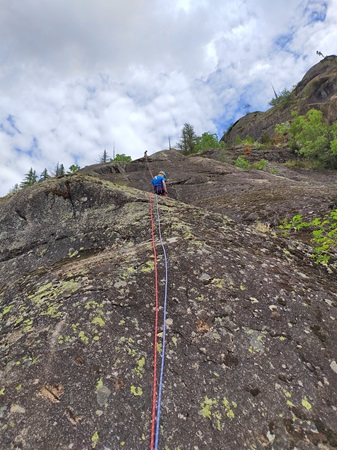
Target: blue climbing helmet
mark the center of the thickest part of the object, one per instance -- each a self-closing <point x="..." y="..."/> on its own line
<point x="163" y="173"/>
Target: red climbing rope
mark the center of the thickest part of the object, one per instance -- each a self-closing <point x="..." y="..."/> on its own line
<point x="154" y="389"/>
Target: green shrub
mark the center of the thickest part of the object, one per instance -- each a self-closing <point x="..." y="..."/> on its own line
<point x="284" y="98"/>
<point x="207" y="141"/>
<point x="261" y="165"/>
<point x="121" y="158"/>
<point x="311" y="137"/>
<point x="324" y="233"/>
<point x="248" y="140"/>
<point x="242" y="163"/>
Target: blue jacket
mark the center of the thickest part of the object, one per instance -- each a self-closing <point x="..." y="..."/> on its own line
<point x="158" y="180"/>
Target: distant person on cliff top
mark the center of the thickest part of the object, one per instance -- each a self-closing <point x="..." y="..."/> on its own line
<point x="159" y="183"/>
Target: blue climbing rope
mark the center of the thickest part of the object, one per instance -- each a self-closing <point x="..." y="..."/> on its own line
<point x="160" y="387"/>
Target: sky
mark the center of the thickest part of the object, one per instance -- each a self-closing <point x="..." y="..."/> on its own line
<point x="78" y="77"/>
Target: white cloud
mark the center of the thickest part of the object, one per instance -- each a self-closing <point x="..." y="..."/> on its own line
<point x="78" y="76"/>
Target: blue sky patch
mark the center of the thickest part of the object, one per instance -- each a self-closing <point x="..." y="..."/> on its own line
<point x="316" y="12"/>
<point x="11" y="120"/>
<point x="9" y="127"/>
<point x="284" y="40"/>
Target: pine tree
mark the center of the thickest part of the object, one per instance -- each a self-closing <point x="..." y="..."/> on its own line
<point x="59" y="170"/>
<point x="104" y="158"/>
<point x="30" y="179"/>
<point x="44" y="175"/>
<point x="187" y="140"/>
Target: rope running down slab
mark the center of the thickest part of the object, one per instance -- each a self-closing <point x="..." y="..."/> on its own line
<point x="154" y="387"/>
<point x="160" y="388"/>
<point x="156" y="399"/>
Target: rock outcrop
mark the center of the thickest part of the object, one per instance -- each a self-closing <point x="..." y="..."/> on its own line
<point x="317" y="89"/>
<point x="251" y="357"/>
<point x="245" y="196"/>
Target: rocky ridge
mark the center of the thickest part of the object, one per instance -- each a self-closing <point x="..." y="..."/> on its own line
<point x="317" y="89"/>
<point x="245" y="196"/>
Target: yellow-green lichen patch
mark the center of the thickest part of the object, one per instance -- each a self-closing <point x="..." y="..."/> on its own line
<point x="206" y="407"/>
<point x="52" y="291"/>
<point x="2" y="391"/>
<point x="128" y="352"/>
<point x="136" y="390"/>
<point x="228" y="406"/>
<point x="46" y="296"/>
<point x="92" y="304"/>
<point x="306" y="404"/>
<point x="218" y="282"/>
<point x="140" y="367"/>
<point x="27" y="360"/>
<point x="28" y="325"/>
<point x="62" y="339"/>
<point x="99" y="384"/>
<point x="6" y="310"/>
<point x="149" y="267"/>
<point x="98" y="321"/>
<point x="95" y="439"/>
<point x="52" y="311"/>
<point x="18" y="387"/>
<point x="83" y="337"/>
<point x="216" y="410"/>
<point x="212" y="410"/>
<point x="42" y="291"/>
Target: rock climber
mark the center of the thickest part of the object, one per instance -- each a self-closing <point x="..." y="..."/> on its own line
<point x="159" y="183"/>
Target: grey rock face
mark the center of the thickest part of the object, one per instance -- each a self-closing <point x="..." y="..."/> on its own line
<point x="251" y="335"/>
